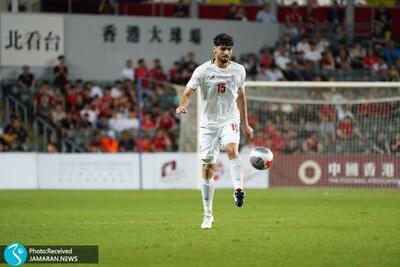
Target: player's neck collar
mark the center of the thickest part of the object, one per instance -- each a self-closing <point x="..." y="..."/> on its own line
<point x="227" y="65"/>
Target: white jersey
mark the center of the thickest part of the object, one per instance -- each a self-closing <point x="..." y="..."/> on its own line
<point x="219" y="91"/>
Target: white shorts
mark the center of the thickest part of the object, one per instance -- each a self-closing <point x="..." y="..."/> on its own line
<point x="213" y="138"/>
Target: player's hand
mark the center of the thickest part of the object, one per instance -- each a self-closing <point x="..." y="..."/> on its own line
<point x="248" y="131"/>
<point x="181" y="109"/>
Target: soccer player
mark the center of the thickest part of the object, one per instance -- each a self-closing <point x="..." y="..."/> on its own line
<point x="223" y="108"/>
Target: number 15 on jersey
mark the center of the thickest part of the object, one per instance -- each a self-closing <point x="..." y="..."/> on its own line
<point x="221" y="88"/>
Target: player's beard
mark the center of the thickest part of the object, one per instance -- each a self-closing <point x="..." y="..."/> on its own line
<point x="223" y="59"/>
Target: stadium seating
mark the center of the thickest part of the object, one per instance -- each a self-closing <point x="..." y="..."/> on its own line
<point x="160" y="98"/>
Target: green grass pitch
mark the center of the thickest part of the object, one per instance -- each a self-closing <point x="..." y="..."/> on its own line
<point x="276" y="227"/>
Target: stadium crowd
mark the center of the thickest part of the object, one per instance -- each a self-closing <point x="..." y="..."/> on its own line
<point x="103" y="117"/>
<point x="299" y="128"/>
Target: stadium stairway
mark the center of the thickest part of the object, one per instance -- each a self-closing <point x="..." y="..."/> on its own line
<point x="10" y="106"/>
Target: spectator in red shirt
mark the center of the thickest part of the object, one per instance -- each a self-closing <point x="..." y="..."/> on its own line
<point x="166" y="121"/>
<point x="161" y="142"/>
<point x="142" y="73"/>
<point x="294" y="15"/>
<point x="107" y="98"/>
<point x="71" y="98"/>
<point x="276" y="137"/>
<point x="370" y="59"/>
<point x="105" y="109"/>
<point x="266" y="59"/>
<point x="157" y="75"/>
<point x="347" y="128"/>
<point x="144" y="143"/>
<point x="148" y="123"/>
<point x="43" y="91"/>
<point x="253" y="119"/>
<point x="327" y="111"/>
<point x="259" y="140"/>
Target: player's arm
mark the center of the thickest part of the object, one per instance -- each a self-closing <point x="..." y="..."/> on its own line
<point x="193" y="84"/>
<point x="184" y="101"/>
<point x="242" y="106"/>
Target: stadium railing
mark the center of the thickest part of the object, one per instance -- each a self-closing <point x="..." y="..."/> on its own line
<point x="43" y="132"/>
<point x="16" y="107"/>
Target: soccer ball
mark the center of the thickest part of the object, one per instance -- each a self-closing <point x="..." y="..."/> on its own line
<point x="261" y="158"/>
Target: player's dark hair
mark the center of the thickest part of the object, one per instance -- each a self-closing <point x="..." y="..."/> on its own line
<point x="223" y="39"/>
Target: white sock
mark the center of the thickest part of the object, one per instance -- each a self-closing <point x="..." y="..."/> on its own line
<point x="236" y="173"/>
<point x="207" y="193"/>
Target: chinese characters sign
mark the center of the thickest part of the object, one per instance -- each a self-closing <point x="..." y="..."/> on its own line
<point x="100" y="45"/>
<point x="328" y="170"/>
<point x="31" y="39"/>
<point x="137" y="34"/>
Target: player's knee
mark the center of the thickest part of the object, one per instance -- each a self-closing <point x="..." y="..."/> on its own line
<point x="232" y="152"/>
<point x="208" y="170"/>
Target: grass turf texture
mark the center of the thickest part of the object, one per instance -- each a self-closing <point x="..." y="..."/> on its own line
<point x="278" y="227"/>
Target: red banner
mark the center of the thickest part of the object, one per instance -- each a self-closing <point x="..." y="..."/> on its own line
<point x="335" y="171"/>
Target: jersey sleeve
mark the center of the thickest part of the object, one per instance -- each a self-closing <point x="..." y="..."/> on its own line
<point x="195" y="80"/>
<point x="242" y="78"/>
